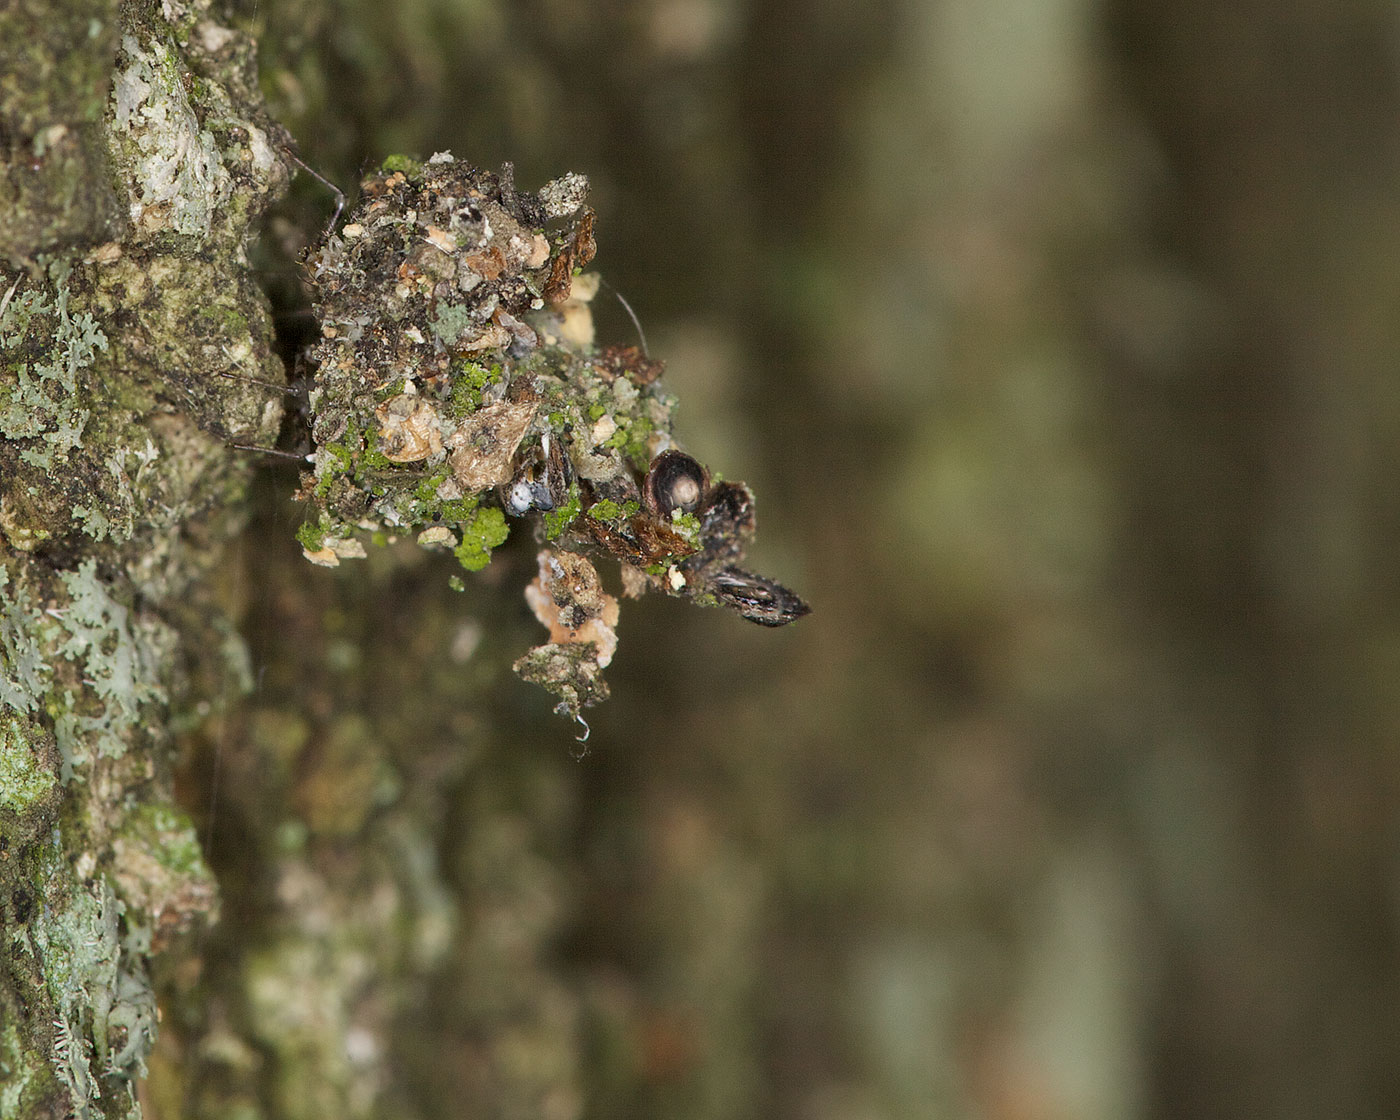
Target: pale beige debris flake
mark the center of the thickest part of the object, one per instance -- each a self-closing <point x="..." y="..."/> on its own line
<point x="408" y="429"/>
<point x="568" y="597"/>
<point x="481" y="450"/>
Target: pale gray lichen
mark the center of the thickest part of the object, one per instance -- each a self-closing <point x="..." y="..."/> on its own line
<point x="178" y="180"/>
<point x="47" y="394"/>
<point x="106" y="1009"/>
<point x="43" y="349"/>
<point x="562" y="197"/>
<point x="119" y="660"/>
<point x="129" y="491"/>
<point x="24" y="670"/>
<point x="93" y="522"/>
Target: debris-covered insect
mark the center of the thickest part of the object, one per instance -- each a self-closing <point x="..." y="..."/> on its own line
<point x="457" y="383"/>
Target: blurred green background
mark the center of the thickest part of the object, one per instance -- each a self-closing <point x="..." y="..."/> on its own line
<point x="1059" y="341"/>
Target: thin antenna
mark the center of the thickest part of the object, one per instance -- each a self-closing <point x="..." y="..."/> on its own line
<point x="339" y="194"/>
<point x="282" y="388"/>
<point x="270" y="451"/>
<point x="641" y="334"/>
<point x="286" y="389"/>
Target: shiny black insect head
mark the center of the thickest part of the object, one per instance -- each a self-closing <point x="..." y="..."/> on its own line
<point x="674" y="481"/>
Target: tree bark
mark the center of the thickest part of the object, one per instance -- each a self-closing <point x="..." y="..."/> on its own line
<point x="137" y="347"/>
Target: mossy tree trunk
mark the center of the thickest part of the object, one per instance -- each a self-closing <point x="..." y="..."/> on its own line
<point x="136" y="347"/>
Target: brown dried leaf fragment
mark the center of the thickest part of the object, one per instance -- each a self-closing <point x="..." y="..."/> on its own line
<point x="577" y="252"/>
<point x="640" y="541"/>
<point x="488" y="264"/>
<point x="629" y="361"/>
<point x="483" y="447"/>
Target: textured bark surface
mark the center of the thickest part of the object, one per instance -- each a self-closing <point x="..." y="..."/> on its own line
<point x="1058" y="342"/>
<point x="136" y="344"/>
